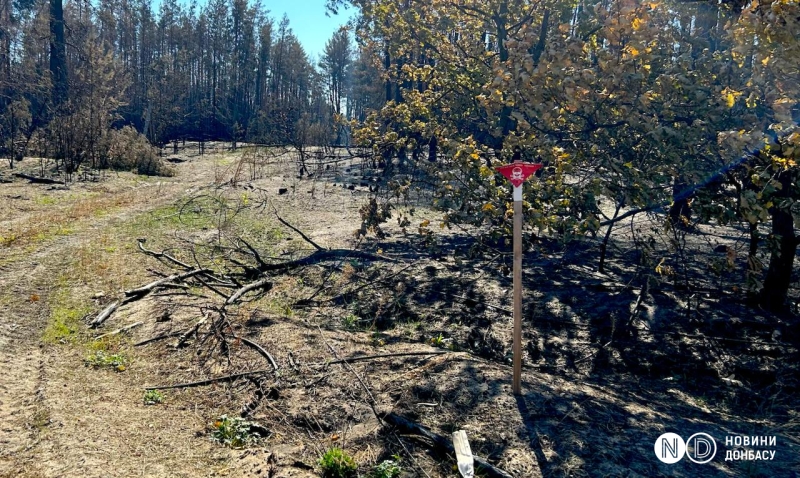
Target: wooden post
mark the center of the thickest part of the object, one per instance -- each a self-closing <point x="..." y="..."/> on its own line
<point x="517" y="172"/>
<point x="517" y="347"/>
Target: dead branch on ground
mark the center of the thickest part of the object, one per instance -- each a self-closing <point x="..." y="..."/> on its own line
<point x="121" y="330"/>
<point x="443" y="444"/>
<point x="210" y="381"/>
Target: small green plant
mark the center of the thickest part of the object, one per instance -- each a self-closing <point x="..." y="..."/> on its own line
<point x="101" y="359"/>
<point x="438" y="341"/>
<point x="378" y="339"/>
<point x="234" y="432"/>
<point x="351" y="321"/>
<point x="153" y="397"/>
<point x="388" y="468"/>
<point x="336" y="463"/>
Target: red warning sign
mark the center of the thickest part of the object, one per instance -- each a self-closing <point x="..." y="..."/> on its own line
<point x="517" y="172"/>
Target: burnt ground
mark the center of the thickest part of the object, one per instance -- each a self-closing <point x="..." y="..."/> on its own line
<point x="608" y="366"/>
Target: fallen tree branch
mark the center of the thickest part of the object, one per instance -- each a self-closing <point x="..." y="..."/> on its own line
<point x="259" y="284"/>
<point x="444" y="444"/>
<point x="185" y="336"/>
<point x="254" y="252"/>
<point x="259" y="349"/>
<point x="105" y="314"/>
<point x="37" y="180"/>
<point x="374" y="357"/>
<point x="310" y="302"/>
<point x="212" y="288"/>
<point x="157" y="338"/>
<point x="324" y="255"/>
<point x="159" y="255"/>
<point x="298" y="231"/>
<point x="145" y="289"/>
<point x="120" y="330"/>
<point x="372" y="402"/>
<point x="200" y="383"/>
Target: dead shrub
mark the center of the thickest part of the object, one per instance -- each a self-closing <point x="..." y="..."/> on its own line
<point x="128" y="150"/>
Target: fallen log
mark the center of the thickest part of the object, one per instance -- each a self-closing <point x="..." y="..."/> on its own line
<point x="121" y="330"/>
<point x="442" y="443"/>
<point x="145" y="289"/>
<point x="38" y="180"/>
<point x="200" y="383"/>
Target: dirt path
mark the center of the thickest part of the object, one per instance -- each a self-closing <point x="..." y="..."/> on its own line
<point x="57" y="417"/>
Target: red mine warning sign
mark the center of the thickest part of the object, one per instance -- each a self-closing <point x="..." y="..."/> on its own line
<point x="517" y="172"/>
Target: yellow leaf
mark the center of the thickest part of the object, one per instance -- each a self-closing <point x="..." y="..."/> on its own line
<point x="730" y="95"/>
<point x="488" y="207"/>
<point x="637" y="23"/>
<point x="425" y="223"/>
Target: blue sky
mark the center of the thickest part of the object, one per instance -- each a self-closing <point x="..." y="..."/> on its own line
<point x="308" y="21"/>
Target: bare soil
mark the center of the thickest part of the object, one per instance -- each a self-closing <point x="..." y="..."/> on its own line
<point x="612" y="360"/>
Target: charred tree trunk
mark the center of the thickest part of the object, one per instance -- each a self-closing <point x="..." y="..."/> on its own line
<point x="781" y="263"/>
<point x="5" y="53"/>
<point x="433" y="149"/>
<point x="681" y="211"/>
<point x="387" y="65"/>
<point x="58" y="53"/>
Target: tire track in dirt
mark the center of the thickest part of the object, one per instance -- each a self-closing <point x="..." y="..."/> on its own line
<point x="26" y="364"/>
<point x="22" y="357"/>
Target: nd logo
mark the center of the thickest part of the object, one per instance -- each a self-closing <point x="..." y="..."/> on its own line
<point x="699" y="448"/>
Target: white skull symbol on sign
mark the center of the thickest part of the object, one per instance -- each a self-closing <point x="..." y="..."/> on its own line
<point x="516" y="173"/>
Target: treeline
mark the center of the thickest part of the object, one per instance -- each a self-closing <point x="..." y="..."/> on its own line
<point x="222" y="71"/>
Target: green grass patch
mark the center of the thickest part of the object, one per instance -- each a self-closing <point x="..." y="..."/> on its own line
<point x="101" y="359"/>
<point x="153" y="397"/>
<point x="45" y="200"/>
<point x="336" y="463"/>
<point x="66" y="313"/>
